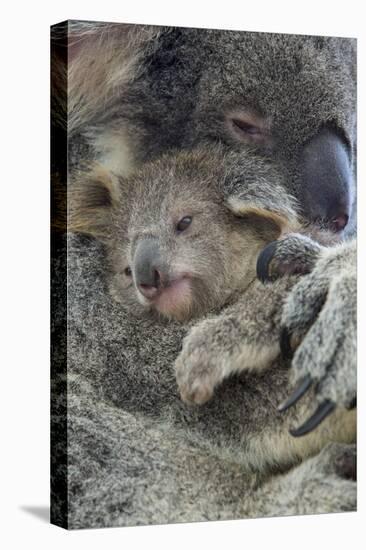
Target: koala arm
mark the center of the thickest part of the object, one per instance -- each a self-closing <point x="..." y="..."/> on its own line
<point x="319" y="323"/>
<point x="321" y="484"/>
<point x="245" y="336"/>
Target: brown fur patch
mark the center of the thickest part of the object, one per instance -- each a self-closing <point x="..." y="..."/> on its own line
<point x="91" y="199"/>
<point x="270" y="225"/>
<point x="58" y="204"/>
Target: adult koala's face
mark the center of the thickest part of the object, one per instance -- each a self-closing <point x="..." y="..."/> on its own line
<point x="294" y="98"/>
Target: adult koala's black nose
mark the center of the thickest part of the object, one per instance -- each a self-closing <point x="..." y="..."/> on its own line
<point x="326" y="180"/>
<point x="148" y="268"/>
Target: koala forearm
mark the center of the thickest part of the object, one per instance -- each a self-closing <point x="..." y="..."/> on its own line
<point x="322" y="484"/>
<point x="243" y="337"/>
<point x="276" y="447"/>
<point x="249" y="331"/>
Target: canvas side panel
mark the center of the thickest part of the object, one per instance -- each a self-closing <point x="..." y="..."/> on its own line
<point x="59" y="503"/>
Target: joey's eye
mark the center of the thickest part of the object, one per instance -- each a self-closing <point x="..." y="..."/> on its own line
<point x="184" y="223"/>
<point x="128" y="272"/>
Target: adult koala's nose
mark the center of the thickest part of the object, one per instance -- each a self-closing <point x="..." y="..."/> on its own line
<point x="150" y="273"/>
<point x="326" y="180"/>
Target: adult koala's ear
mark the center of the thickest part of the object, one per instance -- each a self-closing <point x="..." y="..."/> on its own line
<point x="92" y="198"/>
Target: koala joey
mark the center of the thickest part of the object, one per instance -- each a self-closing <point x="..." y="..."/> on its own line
<point x="176" y="246"/>
<point x="182" y="237"/>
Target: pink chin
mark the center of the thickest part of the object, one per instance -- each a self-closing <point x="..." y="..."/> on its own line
<point x="174" y="300"/>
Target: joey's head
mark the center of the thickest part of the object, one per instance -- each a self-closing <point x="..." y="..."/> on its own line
<point x="178" y="245"/>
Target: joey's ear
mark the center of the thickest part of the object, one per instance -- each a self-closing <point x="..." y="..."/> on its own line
<point x="270" y="225"/>
<point x="92" y="197"/>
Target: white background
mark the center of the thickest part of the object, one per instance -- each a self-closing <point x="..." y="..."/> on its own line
<point x="24" y="199"/>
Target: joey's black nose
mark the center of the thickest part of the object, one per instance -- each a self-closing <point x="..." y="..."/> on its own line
<point x="148" y="267"/>
<point x="326" y="180"/>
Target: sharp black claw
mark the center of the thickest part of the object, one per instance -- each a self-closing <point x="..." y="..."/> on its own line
<point x="297" y="394"/>
<point x="313" y="422"/>
<point x="264" y="259"/>
<point x="285" y="344"/>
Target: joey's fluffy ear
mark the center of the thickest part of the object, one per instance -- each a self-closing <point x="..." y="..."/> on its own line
<point x="91" y="200"/>
<point x="269" y="224"/>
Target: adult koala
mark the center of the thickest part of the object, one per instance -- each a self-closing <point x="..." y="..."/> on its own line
<point x="136" y="91"/>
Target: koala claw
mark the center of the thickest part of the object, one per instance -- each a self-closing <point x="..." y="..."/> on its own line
<point x="302" y="388"/>
<point x="323" y="410"/>
<point x="264" y="261"/>
<point x="291" y="255"/>
<point x="285" y="344"/>
<point x="319" y="325"/>
<point x="313" y="422"/>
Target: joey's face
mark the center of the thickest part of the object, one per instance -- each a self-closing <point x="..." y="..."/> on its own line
<point x="179" y="259"/>
<point x="183" y="248"/>
<point x="189" y="230"/>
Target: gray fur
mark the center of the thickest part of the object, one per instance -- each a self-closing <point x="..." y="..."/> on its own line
<point x="188" y="83"/>
<point x="256" y="440"/>
<point x="134" y="447"/>
<point x="232" y="219"/>
<point x="327" y="297"/>
<point x="178" y="86"/>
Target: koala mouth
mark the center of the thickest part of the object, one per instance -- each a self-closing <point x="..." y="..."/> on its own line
<point x="173" y="299"/>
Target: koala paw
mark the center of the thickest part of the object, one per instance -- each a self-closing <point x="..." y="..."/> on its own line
<point x="197" y="370"/>
<point x="293" y="255"/>
<point x="196" y="388"/>
<point x="319" y="334"/>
